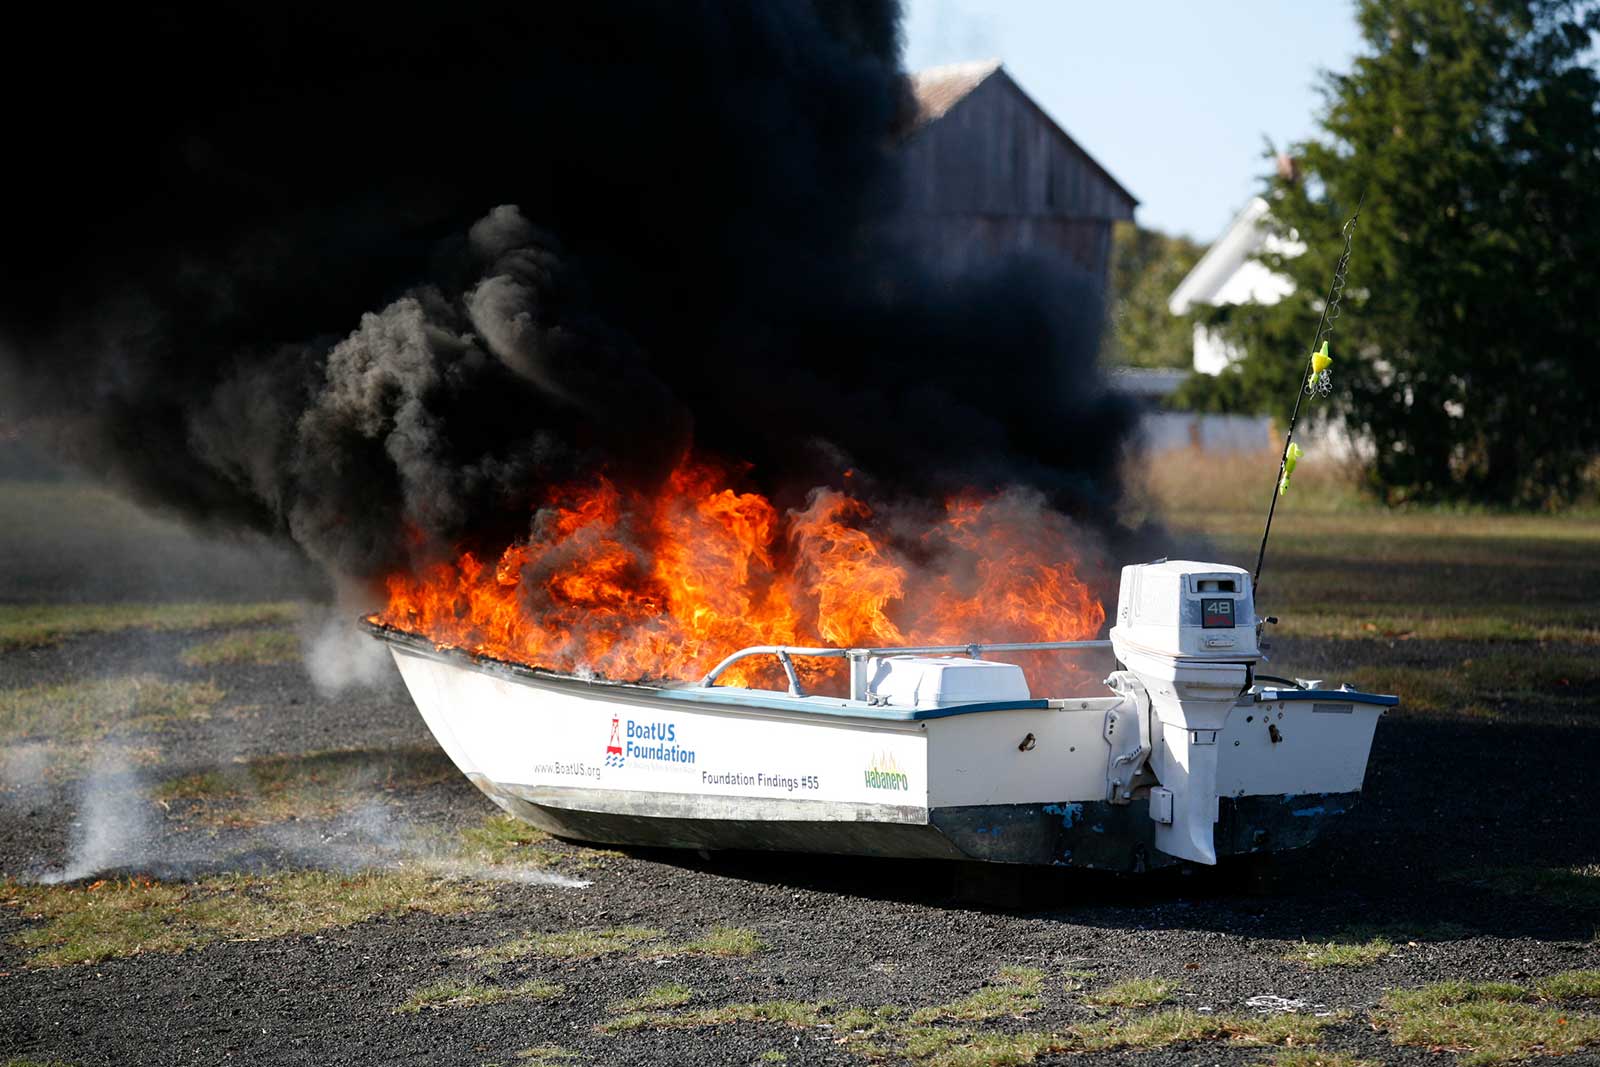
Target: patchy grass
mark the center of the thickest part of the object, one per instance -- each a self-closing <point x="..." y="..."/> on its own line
<point x="587" y="944"/>
<point x="886" y="1033"/>
<point x="721" y="941"/>
<point x="1413" y="623"/>
<point x="110" y="919"/>
<point x="1550" y="687"/>
<point x="1348" y="953"/>
<point x="724" y="941"/>
<point x="28" y="763"/>
<point x="1174" y="1025"/>
<point x="1134" y="993"/>
<point x="772" y="1055"/>
<point x="1568" y="887"/>
<point x="1487" y="1023"/>
<point x="926" y="1037"/>
<point x="1012" y="992"/>
<point x="1149" y="1031"/>
<point x="546" y="1056"/>
<point x="939" y="1047"/>
<point x="1407" y="534"/>
<point x="1074" y="980"/>
<point x="88" y="710"/>
<point x="656" y="998"/>
<point x="202" y="785"/>
<point x="635" y="1020"/>
<point x="866" y="1021"/>
<point x="795" y="1013"/>
<point x="35" y="625"/>
<point x="566" y="944"/>
<point x="948" y="1047"/>
<point x="1281" y="1029"/>
<point x="1569" y="985"/>
<point x="312" y="785"/>
<point x="501" y="840"/>
<point x="457" y="993"/>
<point x="1428" y="575"/>
<point x="260" y="647"/>
<point x="647" y="943"/>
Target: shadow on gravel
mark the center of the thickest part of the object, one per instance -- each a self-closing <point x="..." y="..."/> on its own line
<point x="1452" y="812"/>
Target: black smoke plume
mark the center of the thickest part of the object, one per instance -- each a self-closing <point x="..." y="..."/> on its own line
<point x="374" y="276"/>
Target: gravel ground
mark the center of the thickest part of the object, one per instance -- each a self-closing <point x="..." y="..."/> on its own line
<point x="1447" y="799"/>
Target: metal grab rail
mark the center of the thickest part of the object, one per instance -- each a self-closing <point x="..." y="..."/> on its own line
<point x="858" y="656"/>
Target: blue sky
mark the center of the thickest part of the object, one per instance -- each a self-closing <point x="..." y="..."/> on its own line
<point x="1173" y="98"/>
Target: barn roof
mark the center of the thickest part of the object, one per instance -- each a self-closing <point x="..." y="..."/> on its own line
<point x="938" y="89"/>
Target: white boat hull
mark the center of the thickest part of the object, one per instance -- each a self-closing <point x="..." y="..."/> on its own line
<point x="713" y="768"/>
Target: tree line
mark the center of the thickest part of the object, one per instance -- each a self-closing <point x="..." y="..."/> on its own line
<point x="1468" y="351"/>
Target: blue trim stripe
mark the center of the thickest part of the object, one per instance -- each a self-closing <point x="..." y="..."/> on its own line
<point x="1347" y="696"/>
<point x="753" y="698"/>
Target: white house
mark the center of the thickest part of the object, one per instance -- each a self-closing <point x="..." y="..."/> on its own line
<point x="1229" y="273"/>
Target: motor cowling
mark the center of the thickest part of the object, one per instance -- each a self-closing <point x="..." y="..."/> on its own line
<point x="1187" y="632"/>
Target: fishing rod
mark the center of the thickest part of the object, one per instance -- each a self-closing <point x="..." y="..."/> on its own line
<point x="1317" y="382"/>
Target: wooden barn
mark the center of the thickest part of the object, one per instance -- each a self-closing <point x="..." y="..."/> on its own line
<point x="989" y="172"/>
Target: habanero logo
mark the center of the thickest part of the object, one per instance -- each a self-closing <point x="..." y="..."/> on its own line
<point x="884" y="773"/>
<point x="655" y="742"/>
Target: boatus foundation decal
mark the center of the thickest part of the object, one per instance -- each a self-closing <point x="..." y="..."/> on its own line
<point x="714" y="753"/>
<point x="656" y="742"/>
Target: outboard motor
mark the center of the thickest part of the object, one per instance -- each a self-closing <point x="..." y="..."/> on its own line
<point x="1186" y="638"/>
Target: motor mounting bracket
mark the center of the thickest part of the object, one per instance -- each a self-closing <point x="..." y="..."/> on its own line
<point x="1128" y="734"/>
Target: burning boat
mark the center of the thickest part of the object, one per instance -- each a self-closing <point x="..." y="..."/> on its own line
<point x="935" y="751"/>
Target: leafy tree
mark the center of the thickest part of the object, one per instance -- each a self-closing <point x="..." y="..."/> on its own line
<point x="1146" y="265"/>
<point x="1469" y="347"/>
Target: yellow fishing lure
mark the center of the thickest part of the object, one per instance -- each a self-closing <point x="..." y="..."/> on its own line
<point x="1290" y="458"/>
<point x="1321" y="381"/>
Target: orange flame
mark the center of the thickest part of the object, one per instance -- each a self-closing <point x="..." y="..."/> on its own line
<point x="626" y="586"/>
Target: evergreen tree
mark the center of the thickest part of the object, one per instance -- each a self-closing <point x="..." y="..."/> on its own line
<point x="1468" y="351"/>
<point x="1146" y="265"/>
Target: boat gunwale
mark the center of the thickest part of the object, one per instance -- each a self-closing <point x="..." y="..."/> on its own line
<point x="691" y="692"/>
<point x="694" y="692"/>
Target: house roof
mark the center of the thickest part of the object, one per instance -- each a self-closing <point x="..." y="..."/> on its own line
<point x="1242" y="239"/>
<point x="939" y="89"/>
